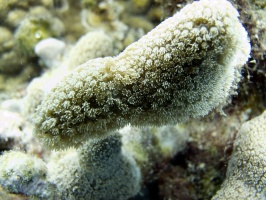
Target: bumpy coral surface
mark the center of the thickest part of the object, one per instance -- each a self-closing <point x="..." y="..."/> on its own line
<point x="92" y="45"/>
<point x="99" y="165"/>
<point x="247" y="167"/>
<point x="21" y="173"/>
<point x="8" y="54"/>
<point x="98" y="170"/>
<point x="185" y="67"/>
<point x="33" y="29"/>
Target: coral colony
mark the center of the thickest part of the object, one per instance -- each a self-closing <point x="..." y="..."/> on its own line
<point x="101" y="111"/>
<point x="183" y="68"/>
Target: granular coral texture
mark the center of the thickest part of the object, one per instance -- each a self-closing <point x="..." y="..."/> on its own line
<point x="92" y="45"/>
<point x="98" y="170"/>
<point x="185" y="67"/>
<point x="23" y="25"/>
<point x="21" y="173"/>
<point x="35" y="28"/>
<point x="247" y="166"/>
<point x="8" y="196"/>
<point x="9" y="58"/>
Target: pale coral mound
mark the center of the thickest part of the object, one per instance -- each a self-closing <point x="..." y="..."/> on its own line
<point x="245" y="178"/>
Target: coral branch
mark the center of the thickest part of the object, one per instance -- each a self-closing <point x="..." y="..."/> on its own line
<point x="184" y="68"/>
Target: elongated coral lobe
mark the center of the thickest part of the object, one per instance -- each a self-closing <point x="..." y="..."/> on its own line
<point x="184" y="68"/>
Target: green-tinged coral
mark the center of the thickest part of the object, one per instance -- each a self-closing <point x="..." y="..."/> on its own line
<point x="28" y="22"/>
<point x="184" y="68"/>
<point x="34" y="29"/>
<point x="245" y="177"/>
<point x="10" y="62"/>
<point x="138" y="23"/>
<point x="259" y="3"/>
<point x="90" y="3"/>
<point x="15" y="17"/>
<point x="139" y="6"/>
<point x="106" y="16"/>
<point x="20" y="173"/>
<point x="6" y="6"/>
<point x="34" y="96"/>
<point x="102" y="13"/>
<point x="6" y="39"/>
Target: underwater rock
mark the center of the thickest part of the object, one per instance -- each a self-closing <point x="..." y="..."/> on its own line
<point x="50" y="50"/>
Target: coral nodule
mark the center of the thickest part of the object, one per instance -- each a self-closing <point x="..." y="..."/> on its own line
<point x="184" y="68"/>
<point x="245" y="176"/>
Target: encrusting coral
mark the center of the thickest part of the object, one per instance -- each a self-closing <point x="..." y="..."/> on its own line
<point x="101" y="166"/>
<point x="184" y="68"/>
<point x="21" y="173"/>
<point x="245" y="178"/>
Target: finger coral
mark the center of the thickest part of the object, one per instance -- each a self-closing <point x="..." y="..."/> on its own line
<point x="184" y="68"/>
<point x="245" y="178"/>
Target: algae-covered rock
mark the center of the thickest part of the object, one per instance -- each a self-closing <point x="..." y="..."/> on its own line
<point x="34" y="29"/>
